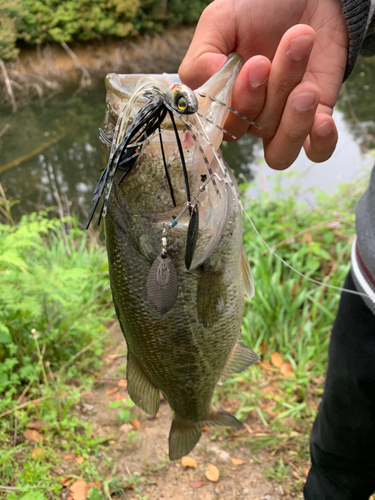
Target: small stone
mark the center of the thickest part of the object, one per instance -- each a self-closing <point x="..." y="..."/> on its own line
<point x="125" y="428"/>
<point x="246" y="491"/>
<point x="88" y="407"/>
<point x="221" y="455"/>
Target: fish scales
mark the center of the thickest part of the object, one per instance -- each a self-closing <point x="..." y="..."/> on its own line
<point x="183" y="352"/>
<point x="180" y="356"/>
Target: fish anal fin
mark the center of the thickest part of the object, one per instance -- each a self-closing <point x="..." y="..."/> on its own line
<point x="182" y="439"/>
<point x="247" y="275"/>
<point x="240" y="358"/>
<point x="142" y="392"/>
<point x="211" y="295"/>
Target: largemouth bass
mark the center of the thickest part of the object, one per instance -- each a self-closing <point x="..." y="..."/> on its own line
<point x="178" y="270"/>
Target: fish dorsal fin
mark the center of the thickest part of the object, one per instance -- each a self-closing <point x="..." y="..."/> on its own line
<point x="240" y="358"/>
<point x="211" y="295"/>
<point x="247" y="275"/>
<point x="144" y="394"/>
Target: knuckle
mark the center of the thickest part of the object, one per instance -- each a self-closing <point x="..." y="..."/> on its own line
<point x="284" y="87"/>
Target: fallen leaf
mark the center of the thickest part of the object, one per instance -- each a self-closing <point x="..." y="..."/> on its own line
<point x="36" y="424"/>
<point x="129" y="486"/>
<point x="37" y="452"/>
<point x="263" y="346"/>
<point x="135" y="423"/>
<point x="212" y="473"/>
<point x="197" y="484"/>
<point x="286" y="369"/>
<point x="205" y="429"/>
<point x="295" y="474"/>
<point x="307" y="470"/>
<point x="65" y="481"/>
<point x="307" y="237"/>
<point x="122" y="383"/>
<point x="64" y="441"/>
<point x="189" y="462"/>
<point x="67" y="457"/>
<point x="335" y="224"/>
<point x="95" y="484"/>
<point x="237" y="461"/>
<point x="266" y="365"/>
<point x="112" y="442"/>
<point x="32" y="435"/>
<point x="276" y="359"/>
<point x="119" y="396"/>
<point x="79" y="490"/>
<point x="80" y="460"/>
<point x="112" y="391"/>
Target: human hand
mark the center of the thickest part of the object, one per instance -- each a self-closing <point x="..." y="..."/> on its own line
<point x="292" y="99"/>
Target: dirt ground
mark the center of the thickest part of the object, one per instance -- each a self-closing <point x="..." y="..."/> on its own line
<point x="142" y="455"/>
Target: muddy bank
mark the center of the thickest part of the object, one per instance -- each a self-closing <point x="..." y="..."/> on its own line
<point x="43" y="71"/>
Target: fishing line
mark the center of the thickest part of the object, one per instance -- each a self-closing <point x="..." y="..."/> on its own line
<point x="316" y="282"/>
<point x="271" y="250"/>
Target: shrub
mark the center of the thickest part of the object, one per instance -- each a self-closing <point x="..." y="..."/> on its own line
<point x="9" y="26"/>
<point x="55" y="282"/>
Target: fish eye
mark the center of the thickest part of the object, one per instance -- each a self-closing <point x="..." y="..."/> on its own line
<point x="182" y="103"/>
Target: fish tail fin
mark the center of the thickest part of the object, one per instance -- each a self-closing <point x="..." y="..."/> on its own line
<point x="182" y="438"/>
<point x="219" y="417"/>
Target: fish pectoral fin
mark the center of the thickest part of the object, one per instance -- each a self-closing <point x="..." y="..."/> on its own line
<point x="240" y="358"/>
<point x="142" y="392"/>
<point x="247" y="275"/>
<point x="182" y="439"/>
<point x="211" y="296"/>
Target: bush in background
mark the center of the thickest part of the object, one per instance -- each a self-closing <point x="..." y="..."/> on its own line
<point x="54" y="281"/>
<point x="9" y="27"/>
<point x="38" y="21"/>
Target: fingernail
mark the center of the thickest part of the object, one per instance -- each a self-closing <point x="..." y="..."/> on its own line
<point x="300" y="47"/>
<point x="258" y="74"/>
<point x="304" y="101"/>
<point x="324" y="129"/>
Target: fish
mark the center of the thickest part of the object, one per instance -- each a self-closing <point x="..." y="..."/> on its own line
<point x="178" y="270"/>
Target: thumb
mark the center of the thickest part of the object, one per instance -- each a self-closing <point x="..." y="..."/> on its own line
<point x="196" y="70"/>
<point x="214" y="39"/>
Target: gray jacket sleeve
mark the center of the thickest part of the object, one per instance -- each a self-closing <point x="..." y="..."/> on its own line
<point x="359" y="16"/>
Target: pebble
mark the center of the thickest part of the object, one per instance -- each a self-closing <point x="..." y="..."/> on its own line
<point x="246" y="491"/>
<point x="88" y="407"/>
<point x="125" y="428"/>
<point x="221" y="455"/>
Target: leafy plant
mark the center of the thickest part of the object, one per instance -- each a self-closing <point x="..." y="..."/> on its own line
<point x="53" y="282"/>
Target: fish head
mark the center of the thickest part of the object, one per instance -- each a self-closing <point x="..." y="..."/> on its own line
<point x="197" y="117"/>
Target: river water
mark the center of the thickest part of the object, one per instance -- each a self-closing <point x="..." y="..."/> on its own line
<point x="53" y="151"/>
